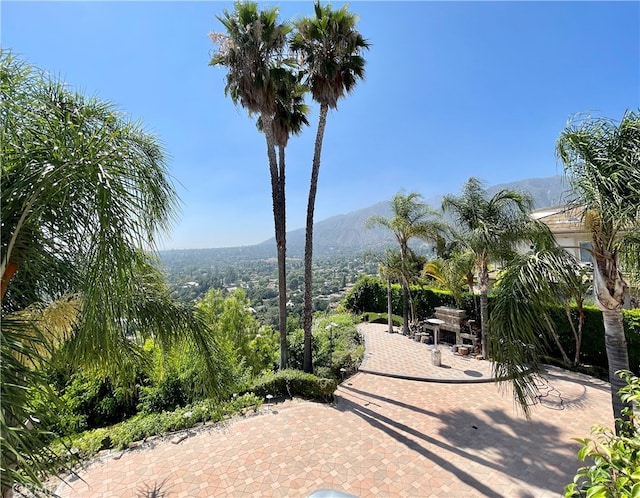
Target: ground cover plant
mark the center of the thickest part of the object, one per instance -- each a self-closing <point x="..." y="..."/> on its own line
<point x="123" y="435"/>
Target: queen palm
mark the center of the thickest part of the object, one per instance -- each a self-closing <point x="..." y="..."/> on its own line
<point x="601" y="159"/>
<point x="530" y="286"/>
<point x="84" y="192"/>
<point x="254" y="52"/>
<point x="411" y="218"/>
<point x="330" y="48"/>
<point x="491" y="228"/>
<point x="454" y="273"/>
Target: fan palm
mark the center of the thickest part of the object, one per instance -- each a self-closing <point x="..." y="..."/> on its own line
<point x="491" y="228"/>
<point x="330" y="48"/>
<point x="602" y="159"/>
<point x="411" y="218"/>
<point x="84" y="191"/>
<point x="254" y="52"/>
<point x="289" y="118"/>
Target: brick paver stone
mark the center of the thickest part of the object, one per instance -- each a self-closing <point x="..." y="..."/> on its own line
<point x="383" y="436"/>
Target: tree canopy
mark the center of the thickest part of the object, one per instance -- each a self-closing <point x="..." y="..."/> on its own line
<point x="85" y="193"/>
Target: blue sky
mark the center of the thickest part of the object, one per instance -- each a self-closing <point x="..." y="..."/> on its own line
<point x="453" y="90"/>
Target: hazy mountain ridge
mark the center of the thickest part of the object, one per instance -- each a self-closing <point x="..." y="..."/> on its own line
<point x="347" y="233"/>
<point x="546" y="192"/>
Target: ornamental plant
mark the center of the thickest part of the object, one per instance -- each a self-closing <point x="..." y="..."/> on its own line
<point x="615" y="468"/>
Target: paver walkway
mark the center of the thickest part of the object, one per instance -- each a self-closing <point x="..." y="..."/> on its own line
<point x="382" y="437"/>
<point x="398" y="356"/>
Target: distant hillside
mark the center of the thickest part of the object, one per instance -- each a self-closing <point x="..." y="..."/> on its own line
<point x="550" y="191"/>
<point x="341" y="233"/>
<point x="347" y="232"/>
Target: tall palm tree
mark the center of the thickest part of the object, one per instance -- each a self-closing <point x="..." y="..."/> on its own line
<point x="331" y="49"/>
<point x="491" y="228"/>
<point x="289" y="118"/>
<point x="84" y="191"/>
<point x="411" y="218"/>
<point x="602" y="159"/>
<point x="254" y="51"/>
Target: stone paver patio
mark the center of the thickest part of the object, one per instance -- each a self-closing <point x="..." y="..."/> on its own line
<point x="383" y="437"/>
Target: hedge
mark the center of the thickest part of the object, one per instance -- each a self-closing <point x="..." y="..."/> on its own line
<point x="369" y="294"/>
<point x="288" y="383"/>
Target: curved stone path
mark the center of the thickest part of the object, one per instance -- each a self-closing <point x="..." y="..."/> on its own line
<point x="383" y="437"/>
<point x="397" y="356"/>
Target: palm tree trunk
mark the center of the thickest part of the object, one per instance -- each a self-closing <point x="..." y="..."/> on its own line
<point x="389" y="306"/>
<point x="556" y="338"/>
<point x="609" y="290"/>
<point x="577" y="331"/>
<point x="281" y="243"/>
<point x="279" y="217"/>
<point x="483" y="284"/>
<point x="307" y="362"/>
<point x="579" y="337"/>
<point x="617" y="356"/>
<point x="405" y="309"/>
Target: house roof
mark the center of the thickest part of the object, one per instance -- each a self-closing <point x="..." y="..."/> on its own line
<point x="561" y="219"/>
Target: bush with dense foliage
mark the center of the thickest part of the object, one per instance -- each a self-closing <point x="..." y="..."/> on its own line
<point x="369" y="294"/>
<point x="159" y="380"/>
<point x="336" y="345"/>
<point x="289" y="383"/>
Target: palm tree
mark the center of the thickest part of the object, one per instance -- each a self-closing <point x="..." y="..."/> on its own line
<point x="454" y="273"/>
<point x="601" y="159"/>
<point x="85" y="190"/>
<point x="530" y="286"/>
<point x="289" y="118"/>
<point x="491" y="228"/>
<point x="330" y="48"/>
<point x="390" y="269"/>
<point x="411" y="218"/>
<point x="254" y="52"/>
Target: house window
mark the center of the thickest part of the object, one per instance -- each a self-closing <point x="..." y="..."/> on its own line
<point x="585" y="252"/>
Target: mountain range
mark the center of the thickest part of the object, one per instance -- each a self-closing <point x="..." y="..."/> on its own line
<point x="346" y="233"/>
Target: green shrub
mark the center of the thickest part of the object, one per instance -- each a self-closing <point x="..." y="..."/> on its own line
<point x="168" y="394"/>
<point x="593" y="351"/>
<point x="614" y="469"/>
<point x="632" y="331"/>
<point x="373" y="317"/>
<point x="145" y="425"/>
<point x="295" y="349"/>
<point x="289" y="383"/>
<point x="90" y="401"/>
<point x="368" y="294"/>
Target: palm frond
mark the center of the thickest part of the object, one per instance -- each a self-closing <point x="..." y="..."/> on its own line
<point x="520" y="333"/>
<point x="331" y="49"/>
